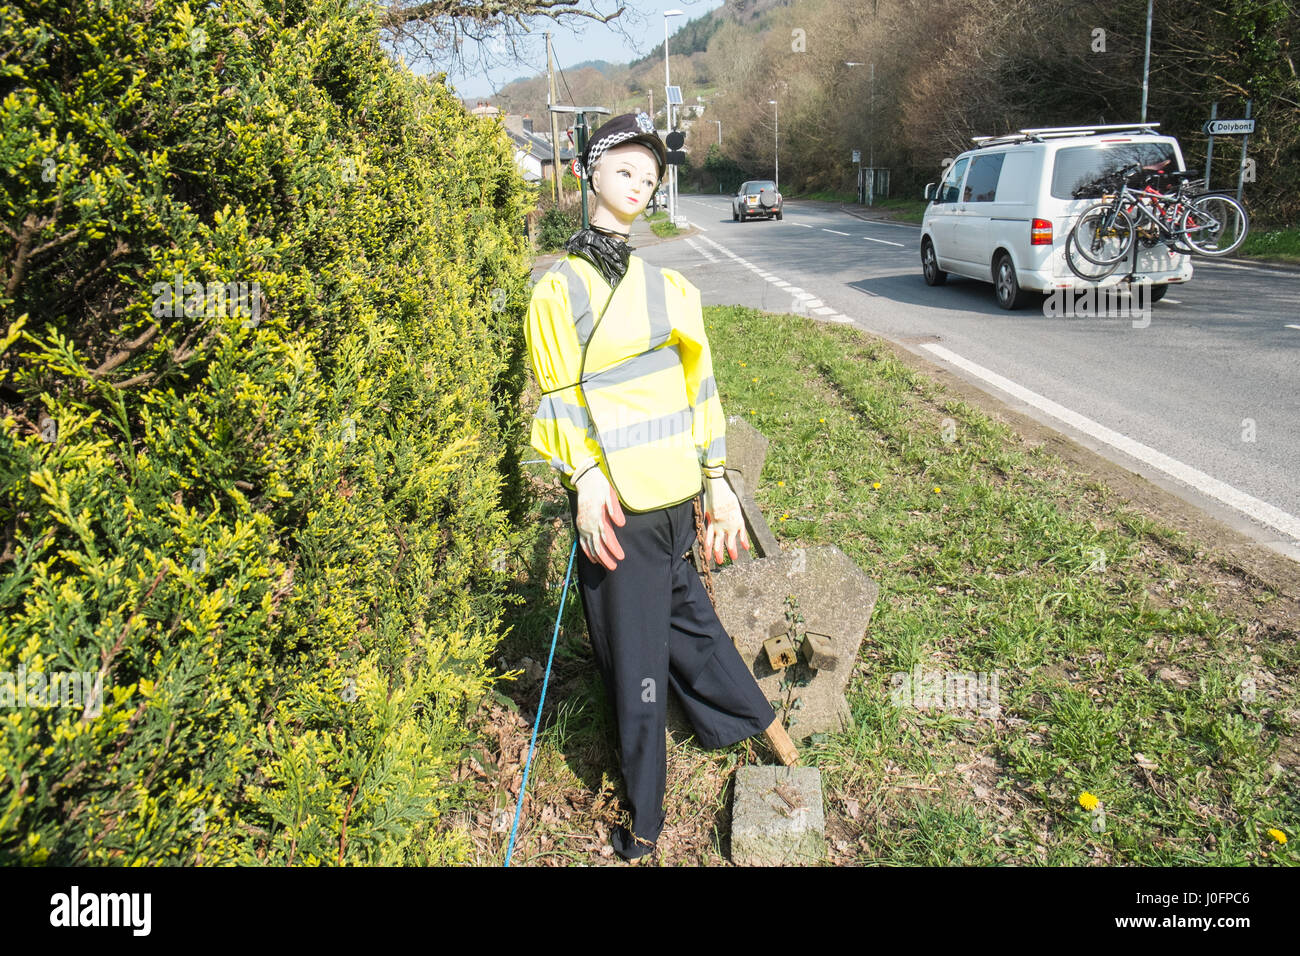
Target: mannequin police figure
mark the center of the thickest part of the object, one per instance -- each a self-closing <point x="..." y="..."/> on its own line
<point x="631" y="420"/>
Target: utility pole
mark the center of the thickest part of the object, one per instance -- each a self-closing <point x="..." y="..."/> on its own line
<point x="1146" y="66"/>
<point x="651" y="94"/>
<point x="557" y="191"/>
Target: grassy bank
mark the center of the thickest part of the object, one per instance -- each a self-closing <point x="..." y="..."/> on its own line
<point x="1281" y="243"/>
<point x="660" y="225"/>
<point x="1129" y="667"/>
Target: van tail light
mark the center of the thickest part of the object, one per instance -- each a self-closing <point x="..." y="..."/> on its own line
<point x="1040" y="232"/>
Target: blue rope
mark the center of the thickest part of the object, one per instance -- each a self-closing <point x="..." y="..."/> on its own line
<point x="536" y="723"/>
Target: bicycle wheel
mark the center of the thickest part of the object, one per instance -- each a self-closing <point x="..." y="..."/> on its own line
<point x="1081" y="266"/>
<point x="1103" y="234"/>
<point x="1214" y="225"/>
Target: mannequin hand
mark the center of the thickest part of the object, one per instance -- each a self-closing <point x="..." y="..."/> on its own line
<point x="597" y="506"/>
<point x="724" y="523"/>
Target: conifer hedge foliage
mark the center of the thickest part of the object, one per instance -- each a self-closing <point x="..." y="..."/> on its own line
<point x="259" y="376"/>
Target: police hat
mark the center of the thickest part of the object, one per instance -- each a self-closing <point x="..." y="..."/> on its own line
<point x="635" y="127"/>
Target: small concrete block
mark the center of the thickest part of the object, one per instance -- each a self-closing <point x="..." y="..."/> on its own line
<point x="780" y="652"/>
<point x="777" y="817"/>
<point x="819" y="652"/>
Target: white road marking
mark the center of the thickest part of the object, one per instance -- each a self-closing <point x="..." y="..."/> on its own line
<point x="782" y="285"/>
<point x="1260" y="511"/>
<point x="701" y="250"/>
<point x="1172" y="301"/>
<point x="885" y="241"/>
<point x="823" y="311"/>
<point x="836" y="231"/>
<point x="1293" y="326"/>
<point x="801" y="225"/>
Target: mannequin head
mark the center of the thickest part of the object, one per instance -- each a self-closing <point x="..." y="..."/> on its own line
<point x="625" y="178"/>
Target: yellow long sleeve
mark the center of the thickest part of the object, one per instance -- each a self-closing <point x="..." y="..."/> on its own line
<point x="561" y="430"/>
<point x="709" y="424"/>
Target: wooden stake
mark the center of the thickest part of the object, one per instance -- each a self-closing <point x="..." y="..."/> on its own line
<point x="781" y="743"/>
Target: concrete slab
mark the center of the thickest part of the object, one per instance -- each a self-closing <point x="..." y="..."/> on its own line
<point x="836" y="600"/>
<point x="777" y="817"/>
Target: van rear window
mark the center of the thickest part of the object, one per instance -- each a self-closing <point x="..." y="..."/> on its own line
<point x="1079" y="167"/>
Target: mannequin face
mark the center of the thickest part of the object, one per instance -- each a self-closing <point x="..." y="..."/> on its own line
<point x="624" y="179"/>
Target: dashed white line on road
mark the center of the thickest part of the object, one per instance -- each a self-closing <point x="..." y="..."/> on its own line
<point x="701" y="250"/>
<point x="801" y="225"/>
<point x="806" y="301"/>
<point x="885" y="241"/>
<point x="1173" y="301"/>
<point x="1260" y="511"/>
<point x="1291" y="326"/>
<point x="836" y="231"/>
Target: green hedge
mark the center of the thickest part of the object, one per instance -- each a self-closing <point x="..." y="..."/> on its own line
<point x="270" y="515"/>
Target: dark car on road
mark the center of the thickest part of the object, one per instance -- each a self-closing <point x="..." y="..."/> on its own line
<point x="758" y="197"/>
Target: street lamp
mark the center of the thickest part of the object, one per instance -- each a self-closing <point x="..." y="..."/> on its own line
<point x="672" y="170"/>
<point x="776" y="143"/>
<point x="871" y="136"/>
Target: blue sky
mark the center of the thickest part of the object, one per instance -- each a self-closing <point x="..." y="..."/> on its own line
<point x="576" y="40"/>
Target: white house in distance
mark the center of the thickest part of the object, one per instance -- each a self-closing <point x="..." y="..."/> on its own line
<point x="532" y="149"/>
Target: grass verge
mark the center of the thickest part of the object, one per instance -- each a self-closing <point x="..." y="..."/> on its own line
<point x="1130" y="665"/>
<point x="1281" y="243"/>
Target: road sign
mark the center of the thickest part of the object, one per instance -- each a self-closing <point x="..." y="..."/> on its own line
<point x="1229" y="127"/>
<point x="573" y="168"/>
<point x="857" y="156"/>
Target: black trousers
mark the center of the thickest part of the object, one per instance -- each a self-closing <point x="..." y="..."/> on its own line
<point x="652" y="627"/>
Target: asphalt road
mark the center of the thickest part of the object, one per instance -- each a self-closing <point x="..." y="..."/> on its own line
<point x="1203" y="398"/>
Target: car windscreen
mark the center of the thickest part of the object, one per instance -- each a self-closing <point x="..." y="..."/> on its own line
<point x="755" y="188"/>
<point x="1079" y="167"/>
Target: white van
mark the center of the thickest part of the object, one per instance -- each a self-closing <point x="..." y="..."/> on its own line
<point x="1004" y="209"/>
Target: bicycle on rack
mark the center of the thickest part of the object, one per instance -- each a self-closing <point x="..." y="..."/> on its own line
<point x="1209" y="224"/>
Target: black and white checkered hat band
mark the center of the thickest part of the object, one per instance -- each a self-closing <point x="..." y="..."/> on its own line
<point x="599" y="148"/>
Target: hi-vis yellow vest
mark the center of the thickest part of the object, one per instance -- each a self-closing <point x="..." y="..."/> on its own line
<point x="626" y="379"/>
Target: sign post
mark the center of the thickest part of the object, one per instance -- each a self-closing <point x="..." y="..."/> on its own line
<point x="580" y="123"/>
<point x="1229" y="127"/>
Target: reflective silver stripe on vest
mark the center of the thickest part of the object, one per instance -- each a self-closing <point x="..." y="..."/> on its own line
<point x="647" y="363"/>
<point x="717" y="448"/>
<point x="630" y="436"/>
<point x="551" y="407"/>
<point x="584" y="320"/>
<point x="657" y="305"/>
<point x="708" y="388"/>
<point x="561" y="466"/>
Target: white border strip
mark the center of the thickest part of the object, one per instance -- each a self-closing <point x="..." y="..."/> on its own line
<point x="1260" y="511"/>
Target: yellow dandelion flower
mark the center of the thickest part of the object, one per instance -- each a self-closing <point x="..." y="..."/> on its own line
<point x="936" y="489"/>
<point x="751" y="411"/>
<point x="821" y="420"/>
<point x="784" y="516"/>
<point x="754" y="379"/>
<point x="1277" y="835"/>
<point x="875" y="484"/>
<point x="780" y="484"/>
<point x="1088" y="801"/>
